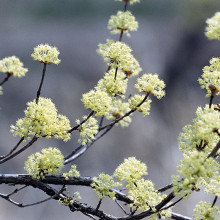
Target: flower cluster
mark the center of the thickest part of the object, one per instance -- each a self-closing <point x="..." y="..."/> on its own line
<point x="205" y="210"/>
<point x="123" y="21"/>
<point x="88" y="130"/>
<point x="111" y="85"/>
<point x="69" y="200"/>
<point x="118" y="54"/>
<point x="213" y="28"/>
<point x="136" y="100"/>
<point x="46" y="54"/>
<point x="144" y="196"/>
<point x="97" y="101"/>
<point x="73" y="172"/>
<point x="130" y="1"/>
<point x="103" y="184"/>
<point x="141" y="192"/>
<point x="49" y="161"/>
<point x="200" y="135"/>
<point x="150" y="83"/>
<point x="131" y="170"/>
<point x="214" y="186"/>
<point x="42" y="120"/>
<point x="12" y="66"/>
<point x="211" y="77"/>
<point x="119" y="109"/>
<point x="196" y="170"/>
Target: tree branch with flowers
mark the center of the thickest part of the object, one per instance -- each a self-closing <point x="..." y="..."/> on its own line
<point x="109" y="105"/>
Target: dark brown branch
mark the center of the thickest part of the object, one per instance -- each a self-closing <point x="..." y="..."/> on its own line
<point x="13" y="149"/>
<point x="6" y="79"/>
<point x="71" y="157"/>
<point x="34" y="139"/>
<point x="163" y="189"/>
<point x="127" y="114"/>
<point x="41" y="83"/>
<point x="77" y="126"/>
<point x="214" y="201"/>
<point x="214" y="151"/>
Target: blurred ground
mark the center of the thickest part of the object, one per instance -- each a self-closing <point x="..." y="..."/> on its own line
<point x="170" y="41"/>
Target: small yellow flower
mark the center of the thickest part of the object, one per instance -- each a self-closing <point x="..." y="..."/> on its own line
<point x="46" y="54"/>
<point x="12" y="66"/>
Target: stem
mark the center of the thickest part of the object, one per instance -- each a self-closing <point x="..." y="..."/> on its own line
<point x="211" y="99"/>
<point x="6" y="79"/>
<point x="214" y="201"/>
<point x="41" y="83"/>
<point x="77" y="126"/>
<point x="13" y="149"/>
<point x="34" y="139"/>
<point x="127" y="114"/>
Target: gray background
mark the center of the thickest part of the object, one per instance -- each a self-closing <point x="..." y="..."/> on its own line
<point x="170" y="41"/>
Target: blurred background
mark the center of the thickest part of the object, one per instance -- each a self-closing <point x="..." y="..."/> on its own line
<point x="170" y="41"/>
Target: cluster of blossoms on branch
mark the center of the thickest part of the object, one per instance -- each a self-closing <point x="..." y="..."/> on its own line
<point x="199" y="141"/>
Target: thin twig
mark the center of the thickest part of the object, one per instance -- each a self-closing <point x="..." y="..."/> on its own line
<point x="99" y="204"/>
<point x="214" y="201"/>
<point x="127" y="114"/>
<point x="121" y="207"/>
<point x="41" y="83"/>
<point x="163" y="189"/>
<point x="13" y="149"/>
<point x="6" y="79"/>
<point x="34" y="139"/>
<point x="77" y="126"/>
<point x="16" y="190"/>
<point x="86" y="147"/>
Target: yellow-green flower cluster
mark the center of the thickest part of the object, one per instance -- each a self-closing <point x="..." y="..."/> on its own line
<point x="143" y="195"/>
<point x="1" y="90"/>
<point x="46" y="54"/>
<point x="123" y="21"/>
<point x="111" y="85"/>
<point x="97" y="101"/>
<point x="130" y="1"/>
<point x="214" y="186"/>
<point x="131" y="170"/>
<point x="42" y="120"/>
<point x="88" y="130"/>
<point x="12" y="66"/>
<point x="119" y="109"/>
<point x="205" y="211"/>
<point x="200" y="135"/>
<point x="211" y="77"/>
<point x="118" y="54"/>
<point x="213" y="28"/>
<point x="49" y="161"/>
<point x="150" y="83"/>
<point x="196" y="170"/>
<point x="136" y="100"/>
<point x="103" y="184"/>
<point x="69" y="200"/>
<point x="73" y="172"/>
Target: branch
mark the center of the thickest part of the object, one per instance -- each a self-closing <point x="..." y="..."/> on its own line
<point x="71" y="157"/>
<point x="76" y="206"/>
<point x="34" y="139"/>
<point x="6" y="79"/>
<point x="41" y="83"/>
<point x="127" y="114"/>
